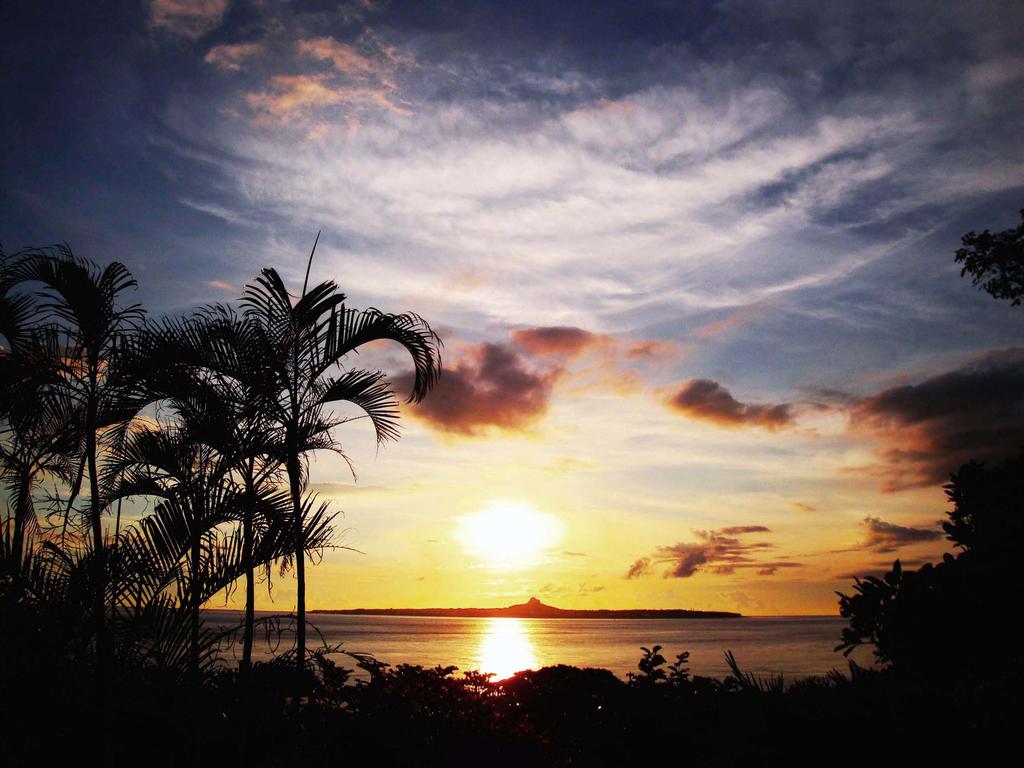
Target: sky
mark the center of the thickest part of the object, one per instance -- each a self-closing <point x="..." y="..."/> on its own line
<point x="706" y="345"/>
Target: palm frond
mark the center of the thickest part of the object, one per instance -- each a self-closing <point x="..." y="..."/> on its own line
<point x="372" y="393"/>
<point x="354" y="328"/>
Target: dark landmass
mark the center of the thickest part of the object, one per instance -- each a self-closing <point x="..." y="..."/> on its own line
<point x="535" y="609"/>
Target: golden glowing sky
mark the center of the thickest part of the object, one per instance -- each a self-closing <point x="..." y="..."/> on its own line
<point x="706" y="345"/>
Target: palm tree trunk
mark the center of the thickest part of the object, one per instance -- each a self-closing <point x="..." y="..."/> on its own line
<point x="99" y="581"/>
<point x="22" y="509"/>
<point x="295" y="483"/>
<point x="194" y="599"/>
<point x="250" y="586"/>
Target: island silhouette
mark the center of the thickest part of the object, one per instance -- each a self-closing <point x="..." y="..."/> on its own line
<point x="535" y="609"/>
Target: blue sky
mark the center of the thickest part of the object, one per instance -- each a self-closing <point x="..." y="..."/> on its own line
<point x="683" y="255"/>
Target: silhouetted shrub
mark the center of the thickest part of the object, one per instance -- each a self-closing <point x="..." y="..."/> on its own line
<point x="953" y="616"/>
<point x="995" y="261"/>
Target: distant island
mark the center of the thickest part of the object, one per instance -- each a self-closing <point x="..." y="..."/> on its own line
<point x="535" y="609"/>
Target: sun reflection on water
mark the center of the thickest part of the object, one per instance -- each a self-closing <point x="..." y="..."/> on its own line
<point x="506" y="648"/>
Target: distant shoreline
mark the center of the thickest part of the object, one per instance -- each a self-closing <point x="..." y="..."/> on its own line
<point x="498" y="613"/>
<point x="534" y="609"/>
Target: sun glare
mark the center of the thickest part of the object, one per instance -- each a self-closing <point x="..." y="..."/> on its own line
<point x="509" y="534"/>
<point x="506" y="648"/>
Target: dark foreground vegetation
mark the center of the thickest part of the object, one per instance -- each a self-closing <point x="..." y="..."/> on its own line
<point x="208" y="421"/>
<point x="949" y="687"/>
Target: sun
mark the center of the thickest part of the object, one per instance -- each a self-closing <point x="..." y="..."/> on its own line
<point x="509" y="534"/>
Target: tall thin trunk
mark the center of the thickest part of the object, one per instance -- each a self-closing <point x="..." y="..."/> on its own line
<point x="295" y="483"/>
<point x="195" y="599"/>
<point x="250" y="586"/>
<point x="22" y="510"/>
<point x="99" y="580"/>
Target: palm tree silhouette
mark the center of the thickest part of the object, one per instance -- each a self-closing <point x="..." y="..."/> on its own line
<point x="210" y="367"/>
<point x="35" y="441"/>
<point x="33" y="438"/>
<point x="97" y="337"/>
<point x="250" y="396"/>
<point x="301" y="342"/>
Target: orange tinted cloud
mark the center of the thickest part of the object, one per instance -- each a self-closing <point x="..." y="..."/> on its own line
<point x="231" y="56"/>
<point x="651" y="349"/>
<point x="344" y="57"/>
<point x="563" y="341"/>
<point x="360" y="76"/>
<point x="492" y="387"/>
<point x="569" y="342"/>
<point x="509" y="386"/>
<point x="708" y="400"/>
<point x="290" y="95"/>
<point x="292" y="92"/>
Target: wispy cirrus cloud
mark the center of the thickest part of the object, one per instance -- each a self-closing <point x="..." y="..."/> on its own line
<point x="729" y="323"/>
<point x="697" y="187"/>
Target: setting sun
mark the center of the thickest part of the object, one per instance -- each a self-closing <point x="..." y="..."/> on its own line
<point x="509" y="534"/>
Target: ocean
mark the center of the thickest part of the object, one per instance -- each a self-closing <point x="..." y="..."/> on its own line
<point x="797" y="646"/>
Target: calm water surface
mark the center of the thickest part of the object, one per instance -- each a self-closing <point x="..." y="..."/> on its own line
<point x="793" y="646"/>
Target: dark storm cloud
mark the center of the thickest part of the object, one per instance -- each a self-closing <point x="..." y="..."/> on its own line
<point x="708" y="400"/>
<point x="889" y="537"/>
<point x="929" y="429"/>
<point x="719" y="551"/>
<point x="493" y="386"/>
<point x="883" y="537"/>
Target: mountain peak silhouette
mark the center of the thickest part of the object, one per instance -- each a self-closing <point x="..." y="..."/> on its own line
<point x="532" y="607"/>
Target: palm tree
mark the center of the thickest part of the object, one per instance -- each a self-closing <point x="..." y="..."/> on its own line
<point x="35" y="441"/>
<point x="190" y="548"/>
<point x="97" y="337"/>
<point x="301" y="341"/>
<point x="16" y="310"/>
<point x="211" y="370"/>
<point x="192" y="480"/>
